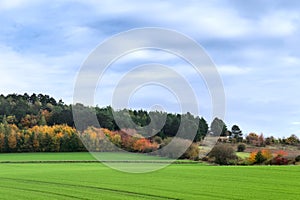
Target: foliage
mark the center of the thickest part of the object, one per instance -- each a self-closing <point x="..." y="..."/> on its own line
<point x="27" y="111"/>
<point x="279" y="160"/>
<point x="241" y="148"/>
<point x="63" y="138"/>
<point x="281" y="153"/>
<point x="56" y="138"/>
<point x="252" y="157"/>
<point x="236" y="133"/>
<point x="192" y="152"/>
<point x="144" y="145"/>
<point x="252" y="138"/>
<point x="292" y="140"/>
<point x="259" y="158"/>
<point x="157" y="139"/>
<point x="176" y="146"/>
<point x="261" y="140"/>
<point x="265" y="156"/>
<point x="222" y="154"/>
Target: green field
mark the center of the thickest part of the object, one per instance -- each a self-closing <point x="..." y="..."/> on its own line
<point x="178" y="181"/>
<point x="243" y="155"/>
<point x="78" y="156"/>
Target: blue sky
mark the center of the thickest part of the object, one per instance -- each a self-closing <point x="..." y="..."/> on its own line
<point x="255" y="46"/>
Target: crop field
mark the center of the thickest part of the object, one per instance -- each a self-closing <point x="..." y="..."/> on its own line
<point x="177" y="181"/>
<point x="77" y="156"/>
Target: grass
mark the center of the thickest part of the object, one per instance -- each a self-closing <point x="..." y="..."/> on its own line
<point x="45" y="156"/>
<point x="185" y="181"/>
<point x="78" y="156"/>
<point x="243" y="155"/>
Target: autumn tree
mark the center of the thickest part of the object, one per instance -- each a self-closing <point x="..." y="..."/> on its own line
<point x="259" y="158"/>
<point x="292" y="140"/>
<point x="252" y="138"/>
<point x="261" y="140"/>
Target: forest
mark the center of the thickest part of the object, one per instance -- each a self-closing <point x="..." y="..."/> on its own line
<point x="27" y="111"/>
<point x="40" y="123"/>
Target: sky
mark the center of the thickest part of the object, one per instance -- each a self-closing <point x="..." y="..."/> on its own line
<point x="255" y="46"/>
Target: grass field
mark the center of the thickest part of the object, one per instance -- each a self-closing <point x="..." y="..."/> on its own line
<point x="78" y="156"/>
<point x="243" y="155"/>
<point x="184" y="181"/>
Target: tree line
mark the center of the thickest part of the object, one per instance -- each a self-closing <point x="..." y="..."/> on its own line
<point x="63" y="138"/>
<point x="40" y="123"/>
<point x="27" y="111"/>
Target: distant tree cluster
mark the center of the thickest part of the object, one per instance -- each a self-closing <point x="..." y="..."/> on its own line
<point x="260" y="141"/>
<point x="265" y="156"/>
<point x="100" y="139"/>
<point x="57" y="138"/>
<point x="39" y="123"/>
<point x="27" y="111"/>
<point x="63" y="138"/>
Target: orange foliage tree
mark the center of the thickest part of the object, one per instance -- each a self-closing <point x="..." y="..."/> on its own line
<point x="39" y="139"/>
<point x="144" y="145"/>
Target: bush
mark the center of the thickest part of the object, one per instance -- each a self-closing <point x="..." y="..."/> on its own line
<point x="243" y="162"/>
<point x="222" y="154"/>
<point x="279" y="160"/>
<point x="205" y="159"/>
<point x="259" y="158"/>
<point x="297" y="159"/>
<point x="241" y="148"/>
<point x="191" y="153"/>
<point x="157" y="139"/>
<point x="177" y="146"/>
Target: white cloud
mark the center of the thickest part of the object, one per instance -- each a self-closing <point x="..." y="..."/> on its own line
<point x="43" y="46"/>
<point x="279" y="24"/>
<point x="36" y="73"/>
<point x="233" y="70"/>
<point x="12" y="4"/>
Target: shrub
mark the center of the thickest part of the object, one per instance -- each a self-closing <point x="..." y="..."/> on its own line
<point x="178" y="145"/>
<point x="222" y="154"/>
<point x="259" y="158"/>
<point x="279" y="160"/>
<point x="281" y="153"/>
<point x="241" y="148"/>
<point x="267" y="154"/>
<point x="232" y="162"/>
<point x="165" y="142"/>
<point x="297" y="159"/>
<point x="243" y="162"/>
<point x="144" y="145"/>
<point x="192" y="152"/>
<point x="252" y="157"/>
<point x="157" y="139"/>
<point x="205" y="159"/>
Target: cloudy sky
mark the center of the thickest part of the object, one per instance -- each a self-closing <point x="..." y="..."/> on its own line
<point x="254" y="45"/>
